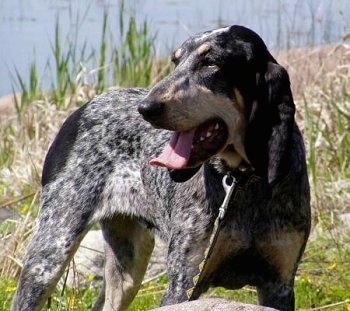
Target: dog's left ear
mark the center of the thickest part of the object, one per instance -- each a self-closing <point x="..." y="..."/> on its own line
<point x="271" y="122"/>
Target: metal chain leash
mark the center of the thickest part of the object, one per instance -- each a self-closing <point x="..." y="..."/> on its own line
<point x="229" y="188"/>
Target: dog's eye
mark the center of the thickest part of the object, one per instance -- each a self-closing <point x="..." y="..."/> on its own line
<point x="207" y="62"/>
<point x="175" y="58"/>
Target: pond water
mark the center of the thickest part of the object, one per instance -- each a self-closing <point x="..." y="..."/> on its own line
<point x="27" y="27"/>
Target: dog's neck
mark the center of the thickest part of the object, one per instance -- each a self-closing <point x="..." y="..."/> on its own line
<point x="232" y="157"/>
<point x="242" y="168"/>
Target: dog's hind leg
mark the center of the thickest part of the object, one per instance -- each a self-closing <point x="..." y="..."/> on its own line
<point x="63" y="222"/>
<point x="128" y="247"/>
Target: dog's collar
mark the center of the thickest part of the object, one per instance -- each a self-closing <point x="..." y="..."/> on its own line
<point x="242" y="172"/>
<point x="233" y="183"/>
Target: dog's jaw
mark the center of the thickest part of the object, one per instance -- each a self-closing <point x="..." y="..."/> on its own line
<point x="232" y="158"/>
<point x="191" y="148"/>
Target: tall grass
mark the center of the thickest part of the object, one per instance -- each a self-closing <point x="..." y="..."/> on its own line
<point x="134" y="59"/>
<point x="324" y="279"/>
<point x="125" y="60"/>
<point x="31" y="92"/>
<point x="64" y="81"/>
<point x="327" y="120"/>
<point x="101" y="82"/>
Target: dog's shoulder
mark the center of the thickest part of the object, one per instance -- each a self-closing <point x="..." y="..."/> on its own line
<point x="104" y="130"/>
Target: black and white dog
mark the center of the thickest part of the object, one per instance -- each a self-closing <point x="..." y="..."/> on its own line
<point x="226" y="105"/>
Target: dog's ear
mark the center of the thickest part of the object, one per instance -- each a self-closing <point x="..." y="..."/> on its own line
<point x="271" y="121"/>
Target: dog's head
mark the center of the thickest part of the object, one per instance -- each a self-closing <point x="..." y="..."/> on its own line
<point x="227" y="97"/>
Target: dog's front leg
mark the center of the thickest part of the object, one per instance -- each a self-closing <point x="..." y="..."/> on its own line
<point x="186" y="252"/>
<point x="278" y="295"/>
<point x="128" y="247"/>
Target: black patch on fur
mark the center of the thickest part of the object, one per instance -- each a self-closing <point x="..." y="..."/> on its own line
<point x="58" y="153"/>
<point x="183" y="175"/>
<point x="270" y="124"/>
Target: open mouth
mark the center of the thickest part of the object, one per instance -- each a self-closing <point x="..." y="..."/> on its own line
<point x="191" y="148"/>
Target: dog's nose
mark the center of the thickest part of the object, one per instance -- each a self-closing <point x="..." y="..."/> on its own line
<point x="150" y="110"/>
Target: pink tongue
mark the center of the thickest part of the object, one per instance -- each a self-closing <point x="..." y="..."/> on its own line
<point x="176" y="154"/>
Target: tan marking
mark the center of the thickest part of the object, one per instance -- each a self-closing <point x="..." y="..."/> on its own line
<point x="239" y="98"/>
<point x="178" y="53"/>
<point x="228" y="243"/>
<point x="204" y="48"/>
<point x="282" y="250"/>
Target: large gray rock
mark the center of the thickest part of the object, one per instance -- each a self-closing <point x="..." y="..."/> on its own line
<point x="213" y="304"/>
<point x="87" y="266"/>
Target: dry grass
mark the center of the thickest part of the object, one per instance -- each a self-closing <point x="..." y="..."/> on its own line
<point x="26" y="138"/>
<point x="320" y="80"/>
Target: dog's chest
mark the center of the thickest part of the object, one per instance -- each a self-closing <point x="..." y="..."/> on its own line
<point x="253" y="243"/>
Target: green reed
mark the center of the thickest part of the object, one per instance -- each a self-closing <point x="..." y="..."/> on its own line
<point x="126" y="58"/>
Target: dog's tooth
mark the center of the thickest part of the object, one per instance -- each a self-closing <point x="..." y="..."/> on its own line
<point x="209" y="134"/>
<point x="201" y="138"/>
<point x="216" y="126"/>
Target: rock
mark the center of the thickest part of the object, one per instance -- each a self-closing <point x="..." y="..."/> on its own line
<point x="213" y="304"/>
<point x="6" y="213"/>
<point x="87" y="266"/>
<point x="157" y="263"/>
<point x="345" y="218"/>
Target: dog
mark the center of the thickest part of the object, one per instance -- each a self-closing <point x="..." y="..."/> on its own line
<point x="144" y="162"/>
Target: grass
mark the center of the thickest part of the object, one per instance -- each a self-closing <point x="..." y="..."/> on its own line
<point x="327" y="120"/>
<point x="323" y="281"/>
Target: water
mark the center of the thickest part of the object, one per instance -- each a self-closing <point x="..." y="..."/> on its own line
<point x="27" y="26"/>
